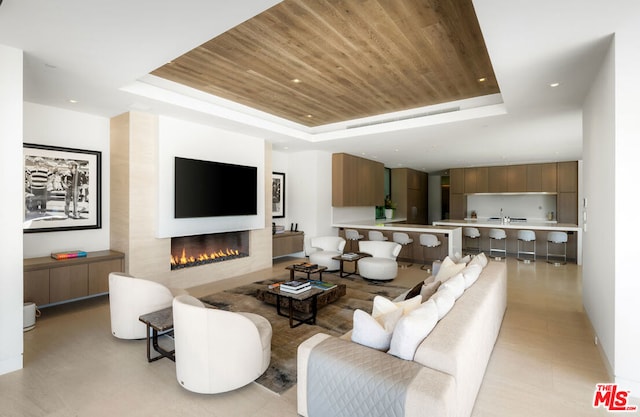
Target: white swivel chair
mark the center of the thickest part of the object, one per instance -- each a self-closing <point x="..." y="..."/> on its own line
<point x="471" y="234"/>
<point x="217" y="350"/>
<point x="377" y="235"/>
<point x="555" y="239"/>
<point x="404" y="240"/>
<point x="428" y="241"/>
<point x="381" y="265"/>
<point x="497" y="235"/>
<point x="352" y="235"/>
<point x="526" y="237"/>
<point x="131" y="297"/>
<point x="324" y="248"/>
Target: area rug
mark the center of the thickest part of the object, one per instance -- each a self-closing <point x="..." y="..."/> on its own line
<point x="334" y="319"/>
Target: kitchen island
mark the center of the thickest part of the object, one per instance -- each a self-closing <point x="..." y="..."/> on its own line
<point x="449" y="235"/>
<point x="541" y="228"/>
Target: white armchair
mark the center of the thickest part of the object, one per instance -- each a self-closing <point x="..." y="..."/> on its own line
<point x="382" y="265"/>
<point x="131" y="297"/>
<point x="217" y="350"/>
<point x="323" y="248"/>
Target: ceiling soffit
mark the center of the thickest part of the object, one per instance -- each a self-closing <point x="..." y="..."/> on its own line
<point x="322" y="62"/>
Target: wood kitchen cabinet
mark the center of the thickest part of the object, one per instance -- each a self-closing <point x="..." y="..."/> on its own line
<point x="50" y="281"/>
<point x="456" y="181"/>
<point x="542" y="177"/>
<point x="567" y="200"/>
<point x="457" y="199"/>
<point x="497" y="179"/>
<point x="409" y="192"/>
<point x="568" y="177"/>
<point x="516" y="178"/>
<point x="476" y="180"/>
<point x="356" y="181"/>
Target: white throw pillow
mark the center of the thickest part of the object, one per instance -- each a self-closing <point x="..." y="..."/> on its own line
<point x="444" y="300"/>
<point x="471" y="274"/>
<point x="412" y="329"/>
<point x="480" y="259"/>
<point x="383" y="305"/>
<point x="375" y="333"/>
<point x="459" y="259"/>
<point x="448" y="269"/>
<point x="456" y="284"/>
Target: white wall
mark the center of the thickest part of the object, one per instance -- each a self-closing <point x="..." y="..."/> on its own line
<point x="611" y="130"/>
<point x="46" y="125"/>
<point x="627" y="150"/>
<point x="308" y="191"/>
<point x="599" y="271"/>
<point x="11" y="115"/>
<point x="192" y="140"/>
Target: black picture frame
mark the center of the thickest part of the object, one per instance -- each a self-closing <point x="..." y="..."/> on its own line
<point x="278" y="195"/>
<point x="62" y="188"/>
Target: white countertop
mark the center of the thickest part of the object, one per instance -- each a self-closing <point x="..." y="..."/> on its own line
<point x="390" y="224"/>
<point x="532" y="225"/>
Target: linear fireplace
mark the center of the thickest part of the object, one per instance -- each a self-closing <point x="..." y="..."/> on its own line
<point x="188" y="251"/>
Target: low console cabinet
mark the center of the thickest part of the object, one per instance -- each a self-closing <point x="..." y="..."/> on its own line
<point x="48" y="281"/>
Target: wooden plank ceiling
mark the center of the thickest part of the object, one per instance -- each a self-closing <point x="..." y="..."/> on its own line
<point x="319" y="62"/>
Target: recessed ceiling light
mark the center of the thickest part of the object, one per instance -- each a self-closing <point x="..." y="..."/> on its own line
<point x="554" y="84"/>
<point x="73" y="101"/>
<point x="482" y="79"/>
<point x="297" y="81"/>
<point x="309" y="116"/>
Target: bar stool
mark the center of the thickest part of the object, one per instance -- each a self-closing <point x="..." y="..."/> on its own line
<point x="557" y="238"/>
<point x="352" y="235"/>
<point x="524" y="237"/>
<point x="473" y="234"/>
<point x="427" y="241"/>
<point x="404" y="240"/>
<point x="377" y="235"/>
<point x="497" y="235"/>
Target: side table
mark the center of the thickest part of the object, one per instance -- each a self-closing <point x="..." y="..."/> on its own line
<point x="310" y="296"/>
<point x="158" y="321"/>
<point x="297" y="268"/>
<point x="353" y="259"/>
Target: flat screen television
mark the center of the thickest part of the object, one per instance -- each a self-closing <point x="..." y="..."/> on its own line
<point x="214" y="189"/>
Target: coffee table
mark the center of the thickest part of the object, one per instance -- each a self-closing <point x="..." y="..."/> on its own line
<point x="298" y="268"/>
<point x="354" y="259"/>
<point x="310" y="296"/>
<point x="158" y="321"/>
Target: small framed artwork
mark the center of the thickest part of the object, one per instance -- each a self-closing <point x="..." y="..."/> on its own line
<point x="61" y="189"/>
<point x="277" y="209"/>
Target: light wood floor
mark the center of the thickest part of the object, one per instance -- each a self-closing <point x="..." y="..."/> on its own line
<point x="545" y="362"/>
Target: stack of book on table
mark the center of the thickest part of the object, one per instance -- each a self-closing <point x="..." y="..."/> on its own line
<point x="305" y="266"/>
<point x="69" y="254"/>
<point x="295" y="287"/>
<point x="323" y="285"/>
<point x="349" y="255"/>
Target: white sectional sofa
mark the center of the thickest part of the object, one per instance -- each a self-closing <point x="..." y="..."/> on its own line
<point x="338" y="377"/>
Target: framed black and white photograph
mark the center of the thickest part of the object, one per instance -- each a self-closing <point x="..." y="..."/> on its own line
<point x="277" y="209"/>
<point x="61" y="188"/>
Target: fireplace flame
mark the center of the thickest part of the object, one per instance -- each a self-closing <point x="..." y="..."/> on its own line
<point x="184" y="260"/>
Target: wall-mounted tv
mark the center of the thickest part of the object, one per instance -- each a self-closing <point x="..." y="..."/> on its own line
<point x="214" y="189"/>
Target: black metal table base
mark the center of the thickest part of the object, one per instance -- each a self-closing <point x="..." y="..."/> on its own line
<point x="152" y="341"/>
<point x="309" y="319"/>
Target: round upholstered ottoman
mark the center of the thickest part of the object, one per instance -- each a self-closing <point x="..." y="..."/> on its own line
<point x="379" y="269"/>
<point x="323" y="258"/>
